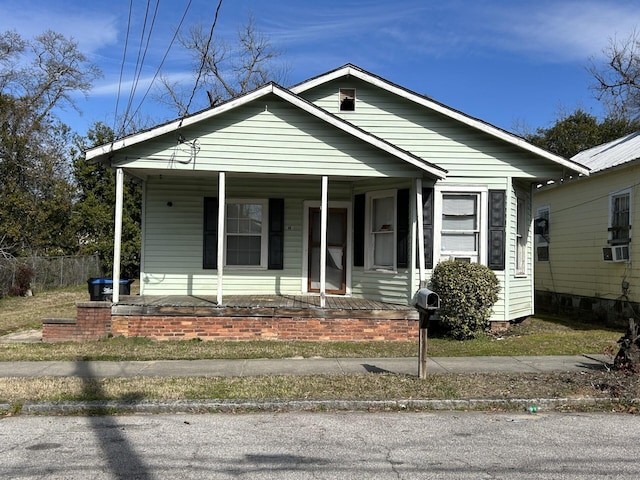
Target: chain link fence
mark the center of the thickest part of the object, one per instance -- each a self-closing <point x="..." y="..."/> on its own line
<point x="50" y="272"/>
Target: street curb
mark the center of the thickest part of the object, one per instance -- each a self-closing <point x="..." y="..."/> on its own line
<point x="238" y="406"/>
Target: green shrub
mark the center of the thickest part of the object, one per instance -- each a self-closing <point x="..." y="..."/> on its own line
<point x="467" y="293"/>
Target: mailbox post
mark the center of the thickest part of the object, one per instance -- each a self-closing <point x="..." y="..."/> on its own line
<point x="426" y="302"/>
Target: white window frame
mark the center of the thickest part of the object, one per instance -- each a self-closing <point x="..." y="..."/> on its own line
<point x="342" y="95"/>
<point x="522" y="234"/>
<point x="482" y="194"/>
<point x="612" y="196"/>
<point x="542" y="241"/>
<point x="264" y="235"/>
<point x="370" y="241"/>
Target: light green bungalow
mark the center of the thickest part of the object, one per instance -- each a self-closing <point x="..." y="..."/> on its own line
<point x="584" y="250"/>
<point x="343" y="187"/>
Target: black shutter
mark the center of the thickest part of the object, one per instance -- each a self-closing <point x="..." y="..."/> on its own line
<point x="427" y="225"/>
<point x="359" y="204"/>
<point x="402" y="218"/>
<point x="497" y="222"/>
<point x="276" y="234"/>
<point x="210" y="240"/>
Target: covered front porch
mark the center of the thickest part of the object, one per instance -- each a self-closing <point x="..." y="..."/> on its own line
<point x="263" y="317"/>
<point x="238" y="317"/>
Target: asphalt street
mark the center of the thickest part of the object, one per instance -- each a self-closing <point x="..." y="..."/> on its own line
<point x="443" y="445"/>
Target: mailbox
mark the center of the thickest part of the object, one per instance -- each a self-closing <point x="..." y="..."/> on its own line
<point x="426" y="300"/>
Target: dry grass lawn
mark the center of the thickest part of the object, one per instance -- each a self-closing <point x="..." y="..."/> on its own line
<point x="536" y="336"/>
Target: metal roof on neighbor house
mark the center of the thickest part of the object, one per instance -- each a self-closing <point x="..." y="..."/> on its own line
<point x="611" y="154"/>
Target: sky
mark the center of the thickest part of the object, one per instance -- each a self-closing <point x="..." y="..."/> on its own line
<point x="516" y="64"/>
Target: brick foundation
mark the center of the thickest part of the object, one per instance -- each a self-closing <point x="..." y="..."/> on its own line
<point x="97" y="320"/>
<point x="264" y="328"/>
<point x="93" y="321"/>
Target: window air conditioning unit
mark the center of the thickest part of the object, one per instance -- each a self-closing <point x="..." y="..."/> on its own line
<point x="616" y="253"/>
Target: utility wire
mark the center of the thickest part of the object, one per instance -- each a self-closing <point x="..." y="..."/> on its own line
<point x="175" y="35"/>
<point x="140" y="61"/>
<point x="124" y="57"/>
<point x="204" y="55"/>
<point x="600" y="197"/>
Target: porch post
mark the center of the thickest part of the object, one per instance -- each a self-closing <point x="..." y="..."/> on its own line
<point x="117" y="234"/>
<point x="420" y="235"/>
<point x="323" y="240"/>
<point x="221" y="232"/>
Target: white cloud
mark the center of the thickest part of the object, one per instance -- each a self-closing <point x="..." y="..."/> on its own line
<point x="110" y="87"/>
<point x="544" y="30"/>
<point x="92" y="30"/>
<point x="558" y="31"/>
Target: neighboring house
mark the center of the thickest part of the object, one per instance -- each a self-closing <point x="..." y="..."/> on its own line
<point x="584" y="247"/>
<point x="235" y="196"/>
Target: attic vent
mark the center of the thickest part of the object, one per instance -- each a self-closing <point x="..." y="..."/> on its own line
<point x="347" y="99"/>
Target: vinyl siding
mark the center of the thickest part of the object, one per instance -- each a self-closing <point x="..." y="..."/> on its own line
<point x="382" y="286"/>
<point x="268" y="136"/>
<point x="579" y="218"/>
<point x="172" y="262"/>
<point x="520" y="286"/>
<point x="463" y="151"/>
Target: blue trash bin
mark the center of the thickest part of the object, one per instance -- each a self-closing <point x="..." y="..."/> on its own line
<point x="101" y="289"/>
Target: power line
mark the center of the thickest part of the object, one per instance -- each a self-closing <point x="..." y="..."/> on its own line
<point x="140" y="59"/>
<point x="166" y="54"/>
<point x="124" y="57"/>
<point x="204" y="54"/>
<point x="600" y="197"/>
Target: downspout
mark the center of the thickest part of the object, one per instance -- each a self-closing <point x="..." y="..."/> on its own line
<point x="221" y="234"/>
<point x="323" y="240"/>
<point x="117" y="234"/>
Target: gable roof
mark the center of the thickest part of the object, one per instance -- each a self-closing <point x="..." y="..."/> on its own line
<point x="287" y="96"/>
<point x="427" y="102"/>
<point x="611" y="154"/>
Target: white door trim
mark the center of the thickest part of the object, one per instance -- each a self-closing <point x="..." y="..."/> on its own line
<point x="307" y="206"/>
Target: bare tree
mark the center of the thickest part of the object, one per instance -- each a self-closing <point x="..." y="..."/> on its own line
<point x="618" y="81"/>
<point x="223" y="70"/>
<point x="37" y="76"/>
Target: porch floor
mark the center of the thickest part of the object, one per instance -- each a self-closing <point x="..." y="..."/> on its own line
<point x="261" y="305"/>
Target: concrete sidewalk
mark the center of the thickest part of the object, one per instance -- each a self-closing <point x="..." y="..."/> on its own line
<point x="299" y="366"/>
<point x="290" y="366"/>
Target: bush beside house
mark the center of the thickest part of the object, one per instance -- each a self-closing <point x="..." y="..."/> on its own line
<point x="467" y="293"/>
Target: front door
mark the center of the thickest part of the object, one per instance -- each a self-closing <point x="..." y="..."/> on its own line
<point x="336" y="271"/>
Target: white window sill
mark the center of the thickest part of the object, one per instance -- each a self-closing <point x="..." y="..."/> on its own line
<point x="381" y="270"/>
<point x="243" y="267"/>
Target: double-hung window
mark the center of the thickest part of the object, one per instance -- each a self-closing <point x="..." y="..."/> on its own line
<point x="382" y="229"/>
<point x="460" y="232"/>
<point x="246" y="233"/>
<point x="620" y="217"/>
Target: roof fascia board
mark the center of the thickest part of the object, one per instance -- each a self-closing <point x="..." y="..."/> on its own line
<point x="440" y="108"/>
